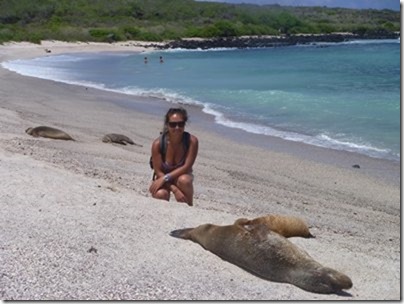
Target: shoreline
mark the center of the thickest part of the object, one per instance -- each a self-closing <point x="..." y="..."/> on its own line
<point x="271" y="41"/>
<point x="60" y="199"/>
<point x="372" y="166"/>
<point x="383" y="169"/>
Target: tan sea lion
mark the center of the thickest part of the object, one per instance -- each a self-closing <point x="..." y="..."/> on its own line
<point x="48" y="132"/>
<point x="287" y="226"/>
<point x="266" y="254"/>
<point x="118" y="138"/>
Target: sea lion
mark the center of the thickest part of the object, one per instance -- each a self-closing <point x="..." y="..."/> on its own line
<point x="118" y="138"/>
<point x="266" y="254"/>
<point x="48" y="132"/>
<point x="287" y="226"/>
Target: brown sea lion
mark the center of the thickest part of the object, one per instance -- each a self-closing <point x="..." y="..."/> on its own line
<point x="287" y="226"/>
<point x="118" y="138"/>
<point x="48" y="132"/>
<point x="266" y="254"/>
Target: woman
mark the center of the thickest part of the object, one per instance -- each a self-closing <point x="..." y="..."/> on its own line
<point x="173" y="165"/>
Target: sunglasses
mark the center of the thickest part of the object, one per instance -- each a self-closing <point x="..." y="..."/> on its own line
<point x="174" y="124"/>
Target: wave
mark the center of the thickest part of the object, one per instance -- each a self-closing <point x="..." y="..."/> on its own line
<point x="372" y="41"/>
<point x="41" y="67"/>
<point x="353" y="42"/>
<point x="183" y="50"/>
<point x="320" y="140"/>
<point x="319" y="43"/>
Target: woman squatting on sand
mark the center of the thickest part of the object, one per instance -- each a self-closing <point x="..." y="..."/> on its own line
<point x="173" y="155"/>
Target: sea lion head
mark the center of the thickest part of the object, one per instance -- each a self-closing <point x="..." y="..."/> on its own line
<point x="182" y="233"/>
<point x="29" y="131"/>
<point x="106" y="139"/>
<point x="193" y="234"/>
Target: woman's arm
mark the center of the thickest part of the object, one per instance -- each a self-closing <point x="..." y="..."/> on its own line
<point x="157" y="165"/>
<point x="157" y="158"/>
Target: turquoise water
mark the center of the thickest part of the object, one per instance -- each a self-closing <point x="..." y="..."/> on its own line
<point x="342" y="96"/>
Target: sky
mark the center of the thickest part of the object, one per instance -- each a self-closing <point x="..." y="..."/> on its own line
<point x="355" y="4"/>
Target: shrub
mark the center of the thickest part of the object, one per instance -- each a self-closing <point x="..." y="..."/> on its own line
<point x="105" y="35"/>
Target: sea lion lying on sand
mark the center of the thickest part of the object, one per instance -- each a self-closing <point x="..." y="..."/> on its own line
<point x="287" y="226"/>
<point x="118" y="138"/>
<point x="48" y="132"/>
<point x="267" y="254"/>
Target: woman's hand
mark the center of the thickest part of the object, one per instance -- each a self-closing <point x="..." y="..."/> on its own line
<point x="179" y="196"/>
<point x="156" y="185"/>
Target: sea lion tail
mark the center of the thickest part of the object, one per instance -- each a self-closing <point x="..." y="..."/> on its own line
<point x="337" y="280"/>
<point x="182" y="233"/>
<point x="310" y="236"/>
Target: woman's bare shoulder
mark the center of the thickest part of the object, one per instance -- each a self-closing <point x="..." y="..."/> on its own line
<point x="193" y="138"/>
<point x="156" y="143"/>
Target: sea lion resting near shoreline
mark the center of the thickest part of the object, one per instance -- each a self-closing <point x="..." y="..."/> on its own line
<point x="265" y="253"/>
<point x="118" y="138"/>
<point x="287" y="226"/>
<point x="48" y="132"/>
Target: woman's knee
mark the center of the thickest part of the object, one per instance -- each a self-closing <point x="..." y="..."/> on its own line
<point x="185" y="184"/>
<point x="185" y="180"/>
<point x="162" y="194"/>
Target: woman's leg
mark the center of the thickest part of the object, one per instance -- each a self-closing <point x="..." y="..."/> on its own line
<point x="162" y="194"/>
<point x="185" y="185"/>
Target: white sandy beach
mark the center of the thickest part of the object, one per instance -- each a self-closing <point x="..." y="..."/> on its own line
<point x="59" y="199"/>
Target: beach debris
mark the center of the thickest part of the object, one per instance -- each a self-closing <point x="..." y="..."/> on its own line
<point x="356" y="166"/>
<point x="92" y="249"/>
<point x="112" y="188"/>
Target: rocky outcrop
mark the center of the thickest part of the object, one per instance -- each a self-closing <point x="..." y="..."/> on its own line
<point x="272" y="41"/>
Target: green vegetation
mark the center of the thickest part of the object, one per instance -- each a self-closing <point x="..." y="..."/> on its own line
<point x="158" y="20"/>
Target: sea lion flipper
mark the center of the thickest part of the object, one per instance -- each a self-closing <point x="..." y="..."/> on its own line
<point x="181" y="233"/>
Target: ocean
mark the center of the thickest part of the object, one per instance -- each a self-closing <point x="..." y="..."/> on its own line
<point x="343" y="96"/>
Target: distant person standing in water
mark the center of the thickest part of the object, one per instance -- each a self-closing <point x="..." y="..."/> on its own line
<point x="145" y="60"/>
<point x="173" y="165"/>
<point x="161" y="59"/>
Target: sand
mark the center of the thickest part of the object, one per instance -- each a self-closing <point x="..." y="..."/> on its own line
<point x="78" y="222"/>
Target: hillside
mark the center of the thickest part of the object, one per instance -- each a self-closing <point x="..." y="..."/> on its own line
<point x="158" y="20"/>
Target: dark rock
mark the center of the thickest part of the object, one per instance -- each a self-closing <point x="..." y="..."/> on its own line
<point x="272" y="41"/>
<point x="92" y="249"/>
